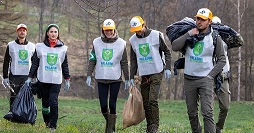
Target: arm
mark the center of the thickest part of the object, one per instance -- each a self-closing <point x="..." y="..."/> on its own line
<point x="6" y="64"/>
<point x="220" y="54"/>
<point x="35" y="65"/>
<point x="124" y="65"/>
<point x="134" y="66"/>
<point x="178" y="44"/>
<point x="92" y="63"/>
<point x="166" y="51"/>
<point x="65" y="68"/>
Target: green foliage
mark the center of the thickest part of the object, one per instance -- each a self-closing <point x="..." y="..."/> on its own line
<point x="83" y="116"/>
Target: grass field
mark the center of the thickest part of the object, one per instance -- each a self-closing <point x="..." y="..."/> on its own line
<point x="83" y="116"/>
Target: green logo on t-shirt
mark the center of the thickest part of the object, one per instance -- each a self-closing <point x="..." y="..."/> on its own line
<point x="52" y="58"/>
<point x="107" y="54"/>
<point x="198" y="48"/>
<point x="144" y="49"/>
<point x="23" y="54"/>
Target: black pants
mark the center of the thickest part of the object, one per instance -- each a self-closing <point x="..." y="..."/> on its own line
<point x="16" y="82"/>
<point x="49" y="93"/>
<point x="112" y="89"/>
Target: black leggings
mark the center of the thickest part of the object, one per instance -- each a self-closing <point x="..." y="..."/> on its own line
<point x="50" y="94"/>
<point x="112" y="89"/>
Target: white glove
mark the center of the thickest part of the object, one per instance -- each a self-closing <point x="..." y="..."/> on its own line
<point x="132" y="82"/>
<point x="67" y="85"/>
<point x="126" y="84"/>
<point x="28" y="81"/>
<point x="88" y="81"/>
<point x="167" y="74"/>
<point x="6" y="82"/>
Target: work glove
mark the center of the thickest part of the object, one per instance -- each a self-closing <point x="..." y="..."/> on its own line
<point x="127" y="85"/>
<point x="167" y="74"/>
<point x="6" y="82"/>
<point x="28" y="81"/>
<point x="88" y="81"/>
<point x="67" y="85"/>
<point x="132" y="82"/>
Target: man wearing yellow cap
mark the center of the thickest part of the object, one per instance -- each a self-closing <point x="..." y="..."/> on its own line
<point x="200" y="70"/>
<point x="17" y="61"/>
<point x="147" y="46"/>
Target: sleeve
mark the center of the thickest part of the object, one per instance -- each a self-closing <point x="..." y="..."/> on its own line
<point x="6" y="64"/>
<point x="179" y="43"/>
<point x="65" y="68"/>
<point x="220" y="54"/>
<point x="124" y="65"/>
<point x="167" y="52"/>
<point x="133" y="63"/>
<point x="91" y="63"/>
<point x="35" y="65"/>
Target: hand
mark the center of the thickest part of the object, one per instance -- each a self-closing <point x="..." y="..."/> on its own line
<point x="6" y="82"/>
<point x="67" y="85"/>
<point x="28" y="81"/>
<point x="132" y="82"/>
<point x="88" y="81"/>
<point x="193" y="32"/>
<point x="127" y="85"/>
<point x="167" y="74"/>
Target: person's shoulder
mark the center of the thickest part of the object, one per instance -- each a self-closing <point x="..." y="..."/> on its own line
<point x="31" y="43"/>
<point x="11" y="42"/>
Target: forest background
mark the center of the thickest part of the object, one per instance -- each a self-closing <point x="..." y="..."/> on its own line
<point x="80" y="22"/>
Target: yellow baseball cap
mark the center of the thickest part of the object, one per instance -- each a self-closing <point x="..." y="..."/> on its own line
<point x="136" y="24"/>
<point x="204" y="13"/>
<point x="108" y="24"/>
<point x="21" y="26"/>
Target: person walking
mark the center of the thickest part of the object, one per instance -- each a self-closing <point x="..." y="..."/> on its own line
<point x="17" y="62"/>
<point x="199" y="69"/>
<point x="223" y="94"/>
<point x="50" y="63"/>
<point x="109" y="58"/>
<point x="147" y="46"/>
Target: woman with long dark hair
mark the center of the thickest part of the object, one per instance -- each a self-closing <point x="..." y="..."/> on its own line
<point x="51" y="65"/>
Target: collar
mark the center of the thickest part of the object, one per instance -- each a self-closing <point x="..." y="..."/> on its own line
<point x="25" y="43"/>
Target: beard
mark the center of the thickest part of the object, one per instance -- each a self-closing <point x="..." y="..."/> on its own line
<point x="21" y="36"/>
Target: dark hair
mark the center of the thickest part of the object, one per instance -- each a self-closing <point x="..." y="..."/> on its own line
<point x="50" y="26"/>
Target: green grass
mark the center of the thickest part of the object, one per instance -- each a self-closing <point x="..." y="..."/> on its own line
<point x="83" y="116"/>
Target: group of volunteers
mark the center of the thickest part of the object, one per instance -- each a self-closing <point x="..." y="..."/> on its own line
<point x="47" y="61"/>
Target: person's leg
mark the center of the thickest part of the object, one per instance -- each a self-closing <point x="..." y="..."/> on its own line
<point x="192" y="99"/>
<point x="45" y="103"/>
<point x="103" y="98"/>
<point x="54" y="90"/>
<point x="224" y="104"/>
<point x="153" y="101"/>
<point x="144" y="90"/>
<point x="114" y="90"/>
<point x="206" y="88"/>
